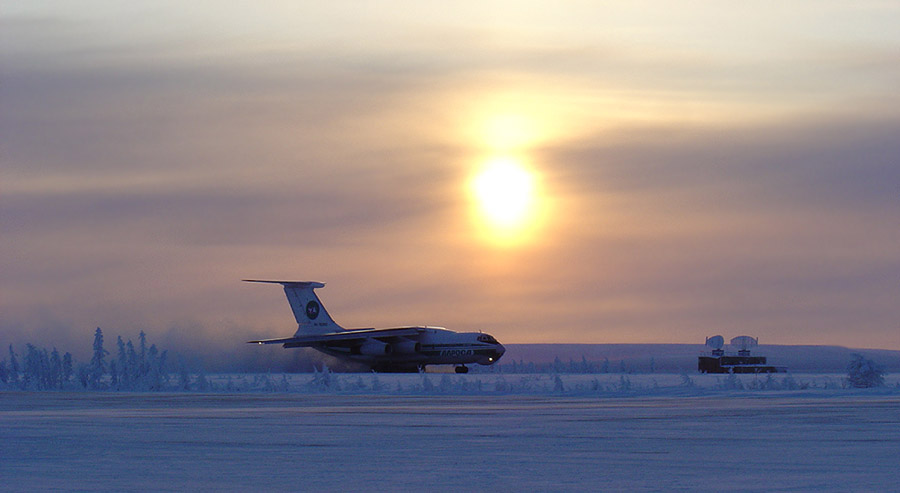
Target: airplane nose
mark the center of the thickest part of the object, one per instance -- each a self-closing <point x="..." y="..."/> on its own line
<point x="491" y="357"/>
<point x="499" y="350"/>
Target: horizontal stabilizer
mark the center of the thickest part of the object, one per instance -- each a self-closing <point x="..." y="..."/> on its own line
<point x="295" y="284"/>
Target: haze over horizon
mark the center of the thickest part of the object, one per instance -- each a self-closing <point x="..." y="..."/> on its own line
<point x="599" y="173"/>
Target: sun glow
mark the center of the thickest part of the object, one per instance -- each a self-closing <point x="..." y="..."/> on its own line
<point x="508" y="200"/>
<point x="505" y="131"/>
<point x="506" y="197"/>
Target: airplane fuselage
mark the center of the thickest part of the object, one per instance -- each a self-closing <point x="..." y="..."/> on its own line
<point x="433" y="346"/>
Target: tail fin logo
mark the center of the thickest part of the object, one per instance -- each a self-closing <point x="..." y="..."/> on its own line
<point x="312" y="310"/>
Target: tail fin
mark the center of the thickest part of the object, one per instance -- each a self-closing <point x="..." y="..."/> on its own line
<point x="311" y="316"/>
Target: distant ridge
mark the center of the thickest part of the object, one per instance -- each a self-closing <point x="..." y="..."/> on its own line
<point x="642" y="358"/>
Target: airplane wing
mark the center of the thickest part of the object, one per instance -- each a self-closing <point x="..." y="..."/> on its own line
<point x="347" y="337"/>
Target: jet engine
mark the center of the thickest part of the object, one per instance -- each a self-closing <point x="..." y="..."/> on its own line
<point x="375" y="348"/>
<point x="406" y="347"/>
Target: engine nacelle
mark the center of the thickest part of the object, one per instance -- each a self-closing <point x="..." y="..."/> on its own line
<point x="406" y="347"/>
<point x="375" y="348"/>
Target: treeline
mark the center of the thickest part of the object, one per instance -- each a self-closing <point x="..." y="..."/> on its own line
<point x="140" y="368"/>
<point x="40" y="370"/>
<point x="581" y="366"/>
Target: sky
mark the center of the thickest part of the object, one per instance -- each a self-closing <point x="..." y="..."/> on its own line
<point x="679" y="170"/>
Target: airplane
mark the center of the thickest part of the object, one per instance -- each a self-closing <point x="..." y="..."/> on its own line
<point x="395" y="349"/>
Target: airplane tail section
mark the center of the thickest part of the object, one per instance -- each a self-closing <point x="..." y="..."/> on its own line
<point x="311" y="316"/>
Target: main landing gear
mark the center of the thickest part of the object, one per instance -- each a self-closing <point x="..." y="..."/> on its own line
<point x="462" y="369"/>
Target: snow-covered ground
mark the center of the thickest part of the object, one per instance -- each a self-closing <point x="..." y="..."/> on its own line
<point x="443" y="381"/>
<point x="444" y="432"/>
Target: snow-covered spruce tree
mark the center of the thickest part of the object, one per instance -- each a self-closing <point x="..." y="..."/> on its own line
<point x="557" y="365"/>
<point x="162" y="367"/>
<point x="133" y="370"/>
<point x="184" y="378"/>
<point x="97" y="367"/>
<point x="43" y="370"/>
<point x="83" y="375"/>
<point x="143" y="367"/>
<point x="558" y="384"/>
<point x="32" y="374"/>
<point x="155" y="369"/>
<point x="201" y="383"/>
<point x="115" y="382"/>
<point x="121" y="365"/>
<point x="56" y="370"/>
<point x="13" y="367"/>
<point x="67" y="367"/>
<point x="863" y="373"/>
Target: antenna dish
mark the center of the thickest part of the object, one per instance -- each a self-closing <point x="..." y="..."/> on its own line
<point x="744" y="343"/>
<point x="715" y="342"/>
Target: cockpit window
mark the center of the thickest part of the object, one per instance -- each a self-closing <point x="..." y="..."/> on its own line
<point x="486" y="338"/>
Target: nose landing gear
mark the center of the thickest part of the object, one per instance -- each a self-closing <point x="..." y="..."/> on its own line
<point x="462" y="369"/>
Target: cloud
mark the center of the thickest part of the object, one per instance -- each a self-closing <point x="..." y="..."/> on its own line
<point x="784" y="229"/>
<point x="840" y="162"/>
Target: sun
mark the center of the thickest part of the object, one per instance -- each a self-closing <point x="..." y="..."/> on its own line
<point x="504" y="190"/>
<point x="505" y="194"/>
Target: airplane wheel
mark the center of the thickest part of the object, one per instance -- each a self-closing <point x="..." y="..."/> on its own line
<point x="462" y="369"/>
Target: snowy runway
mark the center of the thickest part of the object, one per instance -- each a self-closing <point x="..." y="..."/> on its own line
<point x="128" y="441"/>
